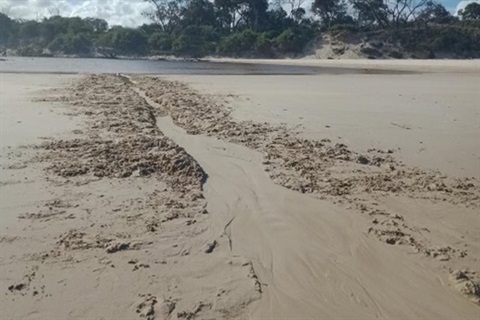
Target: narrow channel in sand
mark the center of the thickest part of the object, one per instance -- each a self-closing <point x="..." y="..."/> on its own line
<point x="313" y="258"/>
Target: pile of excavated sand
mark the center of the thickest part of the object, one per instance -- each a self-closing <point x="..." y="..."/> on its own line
<point x="123" y="140"/>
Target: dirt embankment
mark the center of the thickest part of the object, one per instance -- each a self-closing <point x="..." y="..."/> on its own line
<point x="354" y="46"/>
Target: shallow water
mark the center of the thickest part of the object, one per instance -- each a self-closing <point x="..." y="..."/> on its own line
<point x="82" y="65"/>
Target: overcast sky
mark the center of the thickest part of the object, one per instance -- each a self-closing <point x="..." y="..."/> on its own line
<point x="116" y="12"/>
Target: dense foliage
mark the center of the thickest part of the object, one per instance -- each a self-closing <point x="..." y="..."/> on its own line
<point x="246" y="28"/>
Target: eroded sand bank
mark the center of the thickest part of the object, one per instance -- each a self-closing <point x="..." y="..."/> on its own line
<point x="160" y="202"/>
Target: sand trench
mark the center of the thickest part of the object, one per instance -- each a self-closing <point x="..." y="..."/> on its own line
<point x="262" y="223"/>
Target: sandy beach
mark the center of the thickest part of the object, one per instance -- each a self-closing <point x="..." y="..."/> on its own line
<point x="328" y="196"/>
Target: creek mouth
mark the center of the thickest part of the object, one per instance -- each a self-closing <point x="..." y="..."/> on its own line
<point x="201" y="216"/>
<point x="305" y="252"/>
<point x="96" y="66"/>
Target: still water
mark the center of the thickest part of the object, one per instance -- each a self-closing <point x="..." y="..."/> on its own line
<point x="74" y="65"/>
<point x="81" y="65"/>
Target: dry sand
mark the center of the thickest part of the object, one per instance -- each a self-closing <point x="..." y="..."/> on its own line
<point x="228" y="197"/>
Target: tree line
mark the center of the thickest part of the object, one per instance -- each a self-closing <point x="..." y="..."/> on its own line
<point x="244" y="28"/>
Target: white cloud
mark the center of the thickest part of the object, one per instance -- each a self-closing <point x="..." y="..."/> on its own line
<point x="462" y="4"/>
<point x="116" y="12"/>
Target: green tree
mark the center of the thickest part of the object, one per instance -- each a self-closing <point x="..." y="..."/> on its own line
<point x="29" y="30"/>
<point x="435" y="13"/>
<point x="160" y="41"/>
<point x="401" y="12"/>
<point x="77" y="25"/>
<point x="99" y="25"/>
<point x="166" y="13"/>
<point x="278" y="20"/>
<point x="6" y="28"/>
<point x="298" y="14"/>
<point x="227" y="11"/>
<point x="53" y="27"/>
<point x="199" y="13"/>
<point x="126" y="41"/>
<point x="253" y="12"/>
<point x="104" y="44"/>
<point x="58" y="44"/>
<point x="195" y="41"/>
<point x="471" y="12"/>
<point x="371" y="12"/>
<point x="235" y="13"/>
<point x="294" y="40"/>
<point x="264" y="46"/>
<point x="239" y="43"/>
<point x="329" y="10"/>
<point x="293" y="5"/>
<point x="80" y="43"/>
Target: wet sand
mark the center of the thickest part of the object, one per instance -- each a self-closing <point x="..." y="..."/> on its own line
<point x="417" y="66"/>
<point x="201" y="199"/>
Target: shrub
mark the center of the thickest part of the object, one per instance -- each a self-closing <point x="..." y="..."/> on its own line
<point x="264" y="46"/>
<point x="458" y="40"/>
<point x="195" y="41"/>
<point x="294" y="40"/>
<point x="160" y="41"/>
<point x="30" y="51"/>
<point x="239" y="43"/>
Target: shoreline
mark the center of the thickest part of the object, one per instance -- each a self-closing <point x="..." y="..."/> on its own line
<point x="354" y="66"/>
<point x="421" y="65"/>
